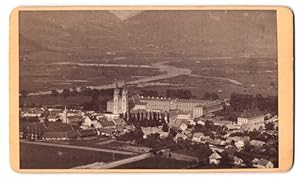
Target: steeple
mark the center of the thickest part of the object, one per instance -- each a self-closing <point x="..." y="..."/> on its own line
<point x="124" y="103"/>
<point x="116" y="99"/>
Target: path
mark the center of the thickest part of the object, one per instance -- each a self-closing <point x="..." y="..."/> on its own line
<point x="218" y="78"/>
<point x="114" y="164"/>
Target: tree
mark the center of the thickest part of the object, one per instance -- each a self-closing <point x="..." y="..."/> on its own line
<point x="211" y="96"/>
<point x="73" y="91"/>
<point x="54" y="92"/>
<point x="66" y="93"/>
<point x="214" y="96"/>
<point x="269" y="126"/>
<point x="23" y="93"/>
<point x="165" y="128"/>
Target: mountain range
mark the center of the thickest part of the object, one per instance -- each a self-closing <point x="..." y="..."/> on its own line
<point x="191" y="33"/>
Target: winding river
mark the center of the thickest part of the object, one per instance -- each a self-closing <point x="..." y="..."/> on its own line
<point x="169" y="72"/>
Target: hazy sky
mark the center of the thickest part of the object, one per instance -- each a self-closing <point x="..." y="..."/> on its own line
<point x="123" y="15"/>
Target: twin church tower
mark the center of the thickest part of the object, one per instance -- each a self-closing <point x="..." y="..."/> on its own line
<point x="119" y="103"/>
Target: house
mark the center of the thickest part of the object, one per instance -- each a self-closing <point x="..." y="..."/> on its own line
<point x="110" y="115"/>
<point x="207" y="108"/>
<point x="257" y="143"/>
<point x="262" y="163"/>
<point x="119" y="122"/>
<point x="179" y="124"/>
<point x="238" y="141"/>
<point x="104" y="123"/>
<point x="199" y="121"/>
<point x="218" y="142"/>
<point x="179" y="136"/>
<point x="252" y="127"/>
<point x="154" y="130"/>
<point x="32" y="112"/>
<point x="52" y="117"/>
<point x="74" y="119"/>
<point x="91" y="122"/>
<point x="87" y="132"/>
<point x="255" y="161"/>
<point x="232" y="127"/>
<point x="251" y="117"/>
<point x="205" y="139"/>
<point x="60" y="131"/>
<point x="129" y="128"/>
<point x="197" y="137"/>
<point x="238" y="161"/>
<point x="215" y="158"/>
<point x="107" y="131"/>
<point x="239" y="144"/>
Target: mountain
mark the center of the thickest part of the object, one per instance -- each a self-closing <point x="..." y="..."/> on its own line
<point x="200" y="33"/>
<point x="84" y="33"/>
<point x="206" y="33"/>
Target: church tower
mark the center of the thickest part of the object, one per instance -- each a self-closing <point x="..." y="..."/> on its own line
<point x="124" y="103"/>
<point x="116" y="100"/>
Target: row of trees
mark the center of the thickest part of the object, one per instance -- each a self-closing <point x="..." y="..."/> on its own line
<point x="170" y="93"/>
<point x="243" y="102"/>
<point x="83" y="91"/>
<point x="179" y="93"/>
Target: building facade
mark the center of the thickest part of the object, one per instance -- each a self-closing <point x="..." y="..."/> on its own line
<point x="119" y="103"/>
<point x="197" y="107"/>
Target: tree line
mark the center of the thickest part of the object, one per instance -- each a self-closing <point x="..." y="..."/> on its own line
<point x="244" y="102"/>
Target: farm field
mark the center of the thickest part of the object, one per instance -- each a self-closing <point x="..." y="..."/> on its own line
<point x="156" y="162"/>
<point x="44" y="157"/>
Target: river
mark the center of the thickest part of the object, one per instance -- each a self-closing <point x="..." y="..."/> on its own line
<point x="169" y="71"/>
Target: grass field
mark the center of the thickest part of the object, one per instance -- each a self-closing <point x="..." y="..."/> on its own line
<point x="50" y="100"/>
<point x="46" y="157"/>
<point x="254" y="75"/>
<point x="38" y="76"/>
<point x="156" y="163"/>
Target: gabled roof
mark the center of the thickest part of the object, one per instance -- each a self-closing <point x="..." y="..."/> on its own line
<point x="263" y="162"/>
<point x="215" y="155"/>
<point x="75" y="118"/>
<point x="107" y="130"/>
<point x="177" y="123"/>
<point x="60" y="127"/>
<point x="119" y="121"/>
<point x="52" y="116"/>
<point x="33" y="110"/>
<point x="64" y="134"/>
<point x="198" y="134"/>
<point x="106" y="123"/>
<point x="87" y="132"/>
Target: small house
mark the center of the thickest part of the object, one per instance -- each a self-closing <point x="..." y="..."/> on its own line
<point x="197" y="137"/>
<point x="215" y="158"/>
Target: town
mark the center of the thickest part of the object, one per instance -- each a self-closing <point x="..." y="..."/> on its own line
<point x="183" y="131"/>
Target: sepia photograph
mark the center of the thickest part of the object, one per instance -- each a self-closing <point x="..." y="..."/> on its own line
<point x="148" y="89"/>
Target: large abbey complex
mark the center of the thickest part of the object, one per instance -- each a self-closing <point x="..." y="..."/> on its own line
<point x="198" y="108"/>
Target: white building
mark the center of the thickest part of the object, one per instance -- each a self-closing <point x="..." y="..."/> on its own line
<point x="119" y="103"/>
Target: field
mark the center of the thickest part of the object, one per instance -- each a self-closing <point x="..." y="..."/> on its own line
<point x="43" y="75"/>
<point x="45" y="157"/>
<point x="227" y="75"/>
<point x="156" y="163"/>
<point x="251" y="76"/>
<point x="54" y="100"/>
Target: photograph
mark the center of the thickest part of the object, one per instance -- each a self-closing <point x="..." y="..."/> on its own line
<point x="148" y="89"/>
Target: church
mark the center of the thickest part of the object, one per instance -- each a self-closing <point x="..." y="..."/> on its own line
<point x="119" y="103"/>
